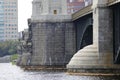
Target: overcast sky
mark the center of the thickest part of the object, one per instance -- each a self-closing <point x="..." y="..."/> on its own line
<point x="24" y="12"/>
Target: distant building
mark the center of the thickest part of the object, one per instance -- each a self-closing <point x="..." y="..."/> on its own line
<point x="88" y="2"/>
<point x="20" y="35"/>
<point x="8" y="20"/>
<point x="74" y="5"/>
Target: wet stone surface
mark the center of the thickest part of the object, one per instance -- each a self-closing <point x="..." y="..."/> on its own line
<point x="12" y="72"/>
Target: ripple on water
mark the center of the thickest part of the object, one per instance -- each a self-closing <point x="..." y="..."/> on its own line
<point x="12" y="72"/>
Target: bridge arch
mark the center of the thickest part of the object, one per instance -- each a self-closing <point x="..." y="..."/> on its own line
<point x="116" y="33"/>
<point x="87" y="37"/>
<point x="84" y="31"/>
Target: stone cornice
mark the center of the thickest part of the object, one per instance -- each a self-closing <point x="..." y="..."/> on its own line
<point x="51" y="18"/>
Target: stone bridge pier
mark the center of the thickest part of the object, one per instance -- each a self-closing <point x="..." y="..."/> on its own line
<point x="53" y="34"/>
<point x="97" y="57"/>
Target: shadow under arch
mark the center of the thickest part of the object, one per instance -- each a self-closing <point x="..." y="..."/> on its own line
<point x="84" y="31"/>
<point x="87" y="36"/>
<point x="116" y="33"/>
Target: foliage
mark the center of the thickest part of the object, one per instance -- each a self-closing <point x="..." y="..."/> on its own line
<point x="14" y="57"/>
<point x="8" y="48"/>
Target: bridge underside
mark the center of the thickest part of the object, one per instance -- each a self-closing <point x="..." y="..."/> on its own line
<point x="84" y="31"/>
<point x="116" y="29"/>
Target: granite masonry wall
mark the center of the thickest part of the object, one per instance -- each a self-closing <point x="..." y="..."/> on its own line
<point x="53" y="43"/>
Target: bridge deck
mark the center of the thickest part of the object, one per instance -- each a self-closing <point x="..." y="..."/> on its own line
<point x="82" y="12"/>
<point x="88" y="10"/>
<point x="112" y="2"/>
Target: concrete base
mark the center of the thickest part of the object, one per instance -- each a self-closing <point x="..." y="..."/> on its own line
<point x="95" y="72"/>
<point x="44" y="68"/>
<point x="85" y="58"/>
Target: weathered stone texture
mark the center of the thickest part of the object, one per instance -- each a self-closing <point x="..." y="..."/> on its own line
<point x="70" y="42"/>
<point x="105" y="36"/>
<point x="53" y="43"/>
<point x="24" y="59"/>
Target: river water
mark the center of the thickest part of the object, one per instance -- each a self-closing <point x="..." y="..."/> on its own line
<point x="12" y="72"/>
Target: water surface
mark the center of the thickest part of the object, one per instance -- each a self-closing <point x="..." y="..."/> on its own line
<point x="12" y="72"/>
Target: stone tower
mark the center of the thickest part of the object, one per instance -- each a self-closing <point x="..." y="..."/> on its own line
<point x="49" y="9"/>
<point x="53" y="33"/>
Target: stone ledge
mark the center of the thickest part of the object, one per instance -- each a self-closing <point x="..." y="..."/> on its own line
<point x="51" y="18"/>
<point x="94" y="72"/>
<point x="44" y="68"/>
